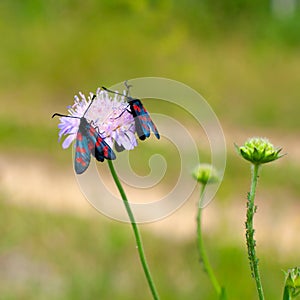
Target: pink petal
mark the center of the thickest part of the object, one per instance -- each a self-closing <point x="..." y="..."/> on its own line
<point x="67" y="142"/>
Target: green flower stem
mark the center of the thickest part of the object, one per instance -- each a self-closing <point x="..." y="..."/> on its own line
<point x="202" y="253"/>
<point x="135" y="230"/>
<point x="287" y="295"/>
<point x="251" y="209"/>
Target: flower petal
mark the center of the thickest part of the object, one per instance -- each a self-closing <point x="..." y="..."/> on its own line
<point x="67" y="142"/>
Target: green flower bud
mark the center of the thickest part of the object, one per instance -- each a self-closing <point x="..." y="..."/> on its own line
<point x="258" y="151"/>
<point x="293" y="278"/>
<point x="206" y="173"/>
<point x="292" y="283"/>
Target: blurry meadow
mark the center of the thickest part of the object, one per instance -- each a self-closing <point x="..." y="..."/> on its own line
<point x="243" y="56"/>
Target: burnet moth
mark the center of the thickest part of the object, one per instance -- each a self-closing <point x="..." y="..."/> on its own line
<point x="143" y="122"/>
<point x="88" y="141"/>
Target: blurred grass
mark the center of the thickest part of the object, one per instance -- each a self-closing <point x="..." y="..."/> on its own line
<point x="16" y="133"/>
<point x="59" y="256"/>
<point x="238" y="54"/>
<point x="51" y="50"/>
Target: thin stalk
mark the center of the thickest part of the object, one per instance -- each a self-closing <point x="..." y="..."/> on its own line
<point x="135" y="230"/>
<point x="287" y="293"/>
<point x="251" y="243"/>
<point x="202" y="253"/>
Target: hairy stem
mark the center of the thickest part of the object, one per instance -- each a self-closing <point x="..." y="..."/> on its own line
<point x="251" y="243"/>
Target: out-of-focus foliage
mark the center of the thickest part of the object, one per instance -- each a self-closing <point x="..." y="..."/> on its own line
<point x="241" y="55"/>
<point x="51" y="256"/>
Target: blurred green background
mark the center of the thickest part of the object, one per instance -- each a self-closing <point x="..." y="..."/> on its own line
<point x="243" y="56"/>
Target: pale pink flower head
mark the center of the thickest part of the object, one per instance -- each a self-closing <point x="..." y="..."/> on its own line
<point x="108" y="114"/>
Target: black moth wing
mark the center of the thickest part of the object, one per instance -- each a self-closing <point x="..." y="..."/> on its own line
<point x="82" y="150"/>
<point x="143" y="122"/>
<point x="89" y="142"/>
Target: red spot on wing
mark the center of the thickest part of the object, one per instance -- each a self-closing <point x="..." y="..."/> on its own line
<point x="105" y="151"/>
<point x="136" y="108"/>
<point x="81" y="150"/>
<point x="92" y="130"/>
<point x="81" y="161"/>
<point x="79" y="136"/>
<point x="91" y="145"/>
<point x="145" y="126"/>
<point x="99" y="141"/>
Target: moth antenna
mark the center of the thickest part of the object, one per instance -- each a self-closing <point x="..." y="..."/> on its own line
<point x="128" y="86"/>
<point x="94" y="96"/>
<point x="61" y="115"/>
<point x="110" y="91"/>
